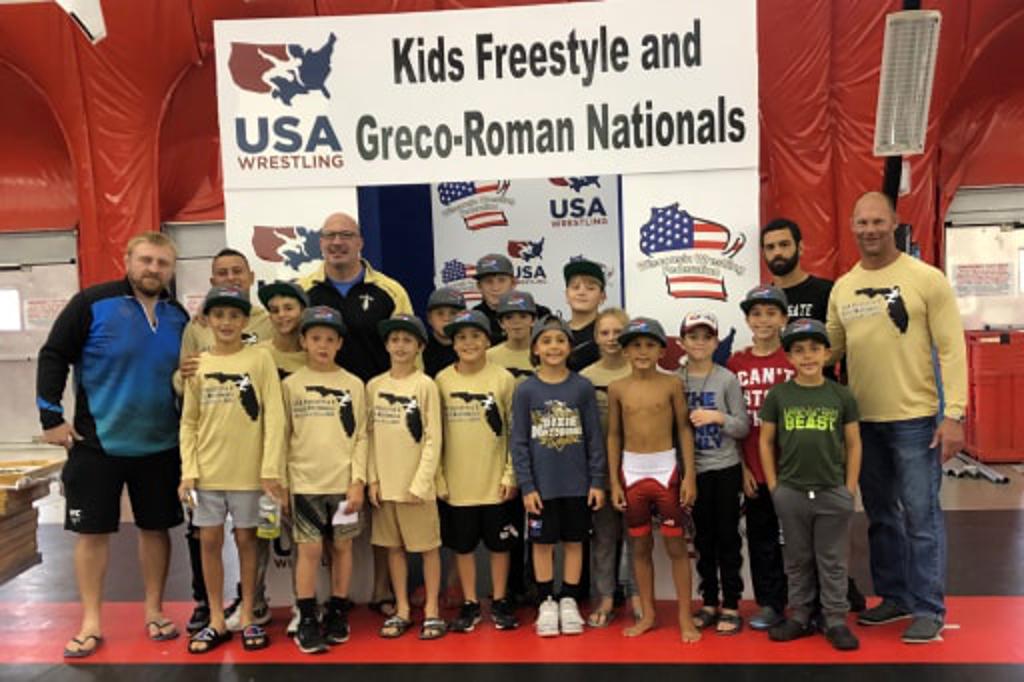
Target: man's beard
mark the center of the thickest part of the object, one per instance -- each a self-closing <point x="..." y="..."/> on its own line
<point x="780" y="267"/>
<point x="145" y="285"/>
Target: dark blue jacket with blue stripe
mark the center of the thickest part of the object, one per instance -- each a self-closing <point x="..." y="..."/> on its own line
<point x="124" y="401"/>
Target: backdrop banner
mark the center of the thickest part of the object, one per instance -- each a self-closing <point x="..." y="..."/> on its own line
<point x="512" y="92"/>
<point x="539" y="224"/>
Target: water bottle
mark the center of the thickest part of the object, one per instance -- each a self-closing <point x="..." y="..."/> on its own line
<point x="270" y="519"/>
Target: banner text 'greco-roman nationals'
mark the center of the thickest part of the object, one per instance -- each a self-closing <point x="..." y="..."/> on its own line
<point x="643" y="86"/>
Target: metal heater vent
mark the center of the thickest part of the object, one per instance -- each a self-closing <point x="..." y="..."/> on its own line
<point x="905" y="86"/>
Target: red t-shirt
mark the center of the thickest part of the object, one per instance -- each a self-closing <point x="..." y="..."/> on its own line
<point x="757" y="374"/>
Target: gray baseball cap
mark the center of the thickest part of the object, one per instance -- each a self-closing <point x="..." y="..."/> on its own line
<point x="322" y="316"/>
<point x="765" y="293"/>
<point x="282" y="288"/>
<point x="229" y="296"/>
<point x="404" y="322"/>
<point x="493" y="264"/>
<point x="468" y="318"/>
<point x="516" y="302"/>
<point x="549" y="322"/>
<point x="804" y="328"/>
<point x="643" y="326"/>
<point x="446" y="297"/>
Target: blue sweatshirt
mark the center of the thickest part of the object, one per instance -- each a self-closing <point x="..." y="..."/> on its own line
<point x="557" y="444"/>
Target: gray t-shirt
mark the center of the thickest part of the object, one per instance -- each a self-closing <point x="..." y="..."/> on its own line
<point x="717" y="446"/>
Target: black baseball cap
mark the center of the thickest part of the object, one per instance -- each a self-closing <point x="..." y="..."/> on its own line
<point x="546" y="323"/>
<point x="404" y="322"/>
<point x="282" y="288"/>
<point x="582" y="266"/>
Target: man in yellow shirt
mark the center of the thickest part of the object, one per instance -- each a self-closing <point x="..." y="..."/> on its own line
<point x="888" y="314"/>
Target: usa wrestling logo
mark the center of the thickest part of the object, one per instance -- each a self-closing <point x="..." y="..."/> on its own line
<point x="571" y="209"/>
<point x="292" y="247"/>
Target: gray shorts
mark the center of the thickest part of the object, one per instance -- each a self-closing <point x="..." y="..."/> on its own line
<point x="313" y="519"/>
<point x="213" y="507"/>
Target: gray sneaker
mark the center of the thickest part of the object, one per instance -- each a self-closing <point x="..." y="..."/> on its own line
<point x="765" y="619"/>
<point x="923" y="629"/>
<point x="886" y="612"/>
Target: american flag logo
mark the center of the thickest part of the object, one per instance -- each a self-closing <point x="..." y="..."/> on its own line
<point x="455" y="272"/>
<point x="671" y="228"/>
<point x="476" y="217"/>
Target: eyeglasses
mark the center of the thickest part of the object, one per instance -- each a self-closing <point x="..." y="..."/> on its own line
<point x="338" y="236"/>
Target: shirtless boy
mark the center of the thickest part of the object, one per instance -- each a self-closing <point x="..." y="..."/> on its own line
<point x="643" y="410"/>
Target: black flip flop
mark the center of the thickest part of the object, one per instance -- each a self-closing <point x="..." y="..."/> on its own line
<point x="732" y="619"/>
<point x="160" y="635"/>
<point x="433" y="628"/>
<point x="705" y="618"/>
<point x="210" y="637"/>
<point x="80" y="652"/>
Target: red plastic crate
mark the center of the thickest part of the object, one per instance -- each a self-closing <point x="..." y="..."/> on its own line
<point x="995" y="410"/>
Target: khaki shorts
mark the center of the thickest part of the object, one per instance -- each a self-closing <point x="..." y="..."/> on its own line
<point x="414" y="526"/>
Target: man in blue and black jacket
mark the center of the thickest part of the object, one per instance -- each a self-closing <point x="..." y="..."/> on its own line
<point x="123" y="339"/>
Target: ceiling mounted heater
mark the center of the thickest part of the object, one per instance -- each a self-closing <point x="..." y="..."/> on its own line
<point x="905" y="85"/>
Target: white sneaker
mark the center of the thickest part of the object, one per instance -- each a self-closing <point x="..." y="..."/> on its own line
<point x="569" y="615"/>
<point x="547" y="619"/>
<point x="260" y="616"/>
<point x="293" y="624"/>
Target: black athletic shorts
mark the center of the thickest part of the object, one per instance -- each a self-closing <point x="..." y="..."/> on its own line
<point x="563" y="519"/>
<point x="93" y="481"/>
<point x="462" y="528"/>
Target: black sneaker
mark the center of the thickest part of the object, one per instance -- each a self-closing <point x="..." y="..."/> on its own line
<point x="789" y="630"/>
<point x="308" y="638"/>
<point x="841" y="639"/>
<point x="885" y="612"/>
<point x="336" y="626"/>
<point x="469" y="616"/>
<point x="503" y="614"/>
<point x="199" y="619"/>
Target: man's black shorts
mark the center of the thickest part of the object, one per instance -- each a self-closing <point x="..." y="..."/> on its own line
<point x="462" y="528"/>
<point x="93" y="481"/>
<point x="563" y="519"/>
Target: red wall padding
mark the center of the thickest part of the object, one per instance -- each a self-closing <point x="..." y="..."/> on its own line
<point x="124" y="134"/>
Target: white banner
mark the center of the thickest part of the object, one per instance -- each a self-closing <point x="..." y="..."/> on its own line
<point x="514" y="92"/>
<point x="690" y="243"/>
<point x="279" y="230"/>
<point x="539" y="224"/>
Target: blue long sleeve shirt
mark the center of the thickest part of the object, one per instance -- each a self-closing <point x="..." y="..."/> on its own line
<point x="557" y="443"/>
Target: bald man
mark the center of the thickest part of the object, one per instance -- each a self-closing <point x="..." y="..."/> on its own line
<point x="347" y="283"/>
<point x="887" y="314"/>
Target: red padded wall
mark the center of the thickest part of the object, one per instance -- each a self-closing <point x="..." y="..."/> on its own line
<point x="125" y="133"/>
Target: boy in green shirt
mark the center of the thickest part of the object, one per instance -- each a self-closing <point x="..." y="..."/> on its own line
<point x="814" y="423"/>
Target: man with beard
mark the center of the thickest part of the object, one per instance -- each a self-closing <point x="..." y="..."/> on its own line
<point x="123" y="339"/>
<point x="781" y="247"/>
